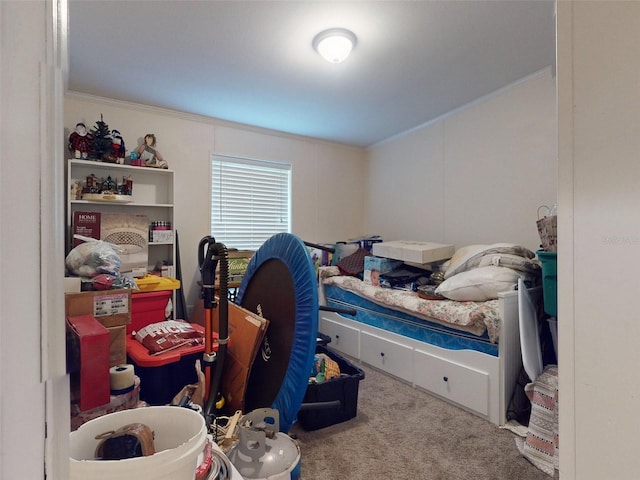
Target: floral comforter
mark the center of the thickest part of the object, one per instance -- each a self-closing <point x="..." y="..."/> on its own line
<point x="474" y="317"/>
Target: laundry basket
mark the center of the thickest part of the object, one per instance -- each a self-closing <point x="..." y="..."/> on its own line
<point x="179" y="437"/>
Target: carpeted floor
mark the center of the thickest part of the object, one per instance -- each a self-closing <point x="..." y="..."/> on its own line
<point x="402" y="433"/>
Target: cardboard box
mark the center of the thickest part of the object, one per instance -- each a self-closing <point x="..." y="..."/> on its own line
<point x="129" y="231"/>
<point x="112" y="308"/>
<point x="89" y="342"/>
<point x="161" y="236"/>
<point x="72" y="284"/>
<point x="415" y="252"/>
<point x="375" y="266"/>
<point x="117" y="345"/>
<point x="246" y="331"/>
<point x="238" y="260"/>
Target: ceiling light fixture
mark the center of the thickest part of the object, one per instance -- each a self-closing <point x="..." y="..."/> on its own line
<point x="334" y="44"/>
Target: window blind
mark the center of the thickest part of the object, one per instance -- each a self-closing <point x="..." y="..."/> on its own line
<point x="250" y="201"/>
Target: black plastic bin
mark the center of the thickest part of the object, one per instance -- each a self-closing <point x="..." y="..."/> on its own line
<point x="343" y="389"/>
<point x="323" y="339"/>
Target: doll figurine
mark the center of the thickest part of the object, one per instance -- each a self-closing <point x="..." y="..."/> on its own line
<point x="80" y="141"/>
<point x="148" y="153"/>
<point x="117" y="147"/>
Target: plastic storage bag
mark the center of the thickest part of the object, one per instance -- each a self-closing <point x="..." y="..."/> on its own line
<point x="93" y="257"/>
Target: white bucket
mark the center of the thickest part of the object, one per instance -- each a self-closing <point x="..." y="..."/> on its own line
<point x="179" y="437"/>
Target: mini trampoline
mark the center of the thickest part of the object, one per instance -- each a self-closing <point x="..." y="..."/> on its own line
<point x="280" y="284"/>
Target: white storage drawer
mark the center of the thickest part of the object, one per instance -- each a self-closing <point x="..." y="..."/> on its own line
<point x="461" y="384"/>
<point x="345" y="339"/>
<point x="392" y="357"/>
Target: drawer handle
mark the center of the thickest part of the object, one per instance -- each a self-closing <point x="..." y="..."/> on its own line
<point x="446" y="379"/>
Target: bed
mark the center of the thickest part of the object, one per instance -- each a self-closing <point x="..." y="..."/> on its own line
<point x="465" y="352"/>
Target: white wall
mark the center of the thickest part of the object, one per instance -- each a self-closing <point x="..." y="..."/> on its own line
<point x="598" y="264"/>
<point x="22" y="394"/>
<point x="476" y="175"/>
<point x="327" y="178"/>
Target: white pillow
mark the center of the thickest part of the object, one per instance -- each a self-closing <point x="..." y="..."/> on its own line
<point x="464" y="252"/>
<point x="515" y="262"/>
<point x="479" y="284"/>
<point x="469" y="257"/>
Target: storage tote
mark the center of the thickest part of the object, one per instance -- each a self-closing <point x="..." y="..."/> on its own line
<point x="343" y="388"/>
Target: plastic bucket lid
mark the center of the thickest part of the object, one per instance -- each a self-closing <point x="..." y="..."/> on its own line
<point x="179" y="437"/>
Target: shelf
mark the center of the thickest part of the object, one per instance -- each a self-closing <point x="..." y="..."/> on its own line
<point x="117" y="166"/>
<point x="121" y="204"/>
<point x="152" y="196"/>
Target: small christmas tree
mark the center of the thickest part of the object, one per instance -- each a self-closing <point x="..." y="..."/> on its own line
<point x="101" y="139"/>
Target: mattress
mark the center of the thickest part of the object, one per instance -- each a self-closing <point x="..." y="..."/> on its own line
<point x="473" y="317"/>
<point x="445" y="323"/>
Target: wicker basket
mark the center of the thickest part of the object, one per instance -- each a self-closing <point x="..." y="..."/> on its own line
<point x="548" y="231"/>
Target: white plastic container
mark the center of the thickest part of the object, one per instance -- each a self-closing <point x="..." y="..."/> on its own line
<point x="553" y="326"/>
<point x="179" y="437"/>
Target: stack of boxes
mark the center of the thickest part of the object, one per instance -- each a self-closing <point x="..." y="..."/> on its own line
<point x="96" y="332"/>
<point x="112" y="310"/>
<point x="388" y="256"/>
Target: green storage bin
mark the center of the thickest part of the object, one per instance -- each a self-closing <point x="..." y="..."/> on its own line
<point x="549" y="261"/>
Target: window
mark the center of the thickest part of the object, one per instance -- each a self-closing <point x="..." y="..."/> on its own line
<point x="250" y="201"/>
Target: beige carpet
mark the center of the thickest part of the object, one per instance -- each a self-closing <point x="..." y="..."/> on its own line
<point x="402" y="433"/>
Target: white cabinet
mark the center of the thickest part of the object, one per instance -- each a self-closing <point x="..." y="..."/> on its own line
<point x="152" y="195"/>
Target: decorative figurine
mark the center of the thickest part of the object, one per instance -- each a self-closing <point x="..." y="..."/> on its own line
<point x="126" y="187"/>
<point x="76" y="190"/>
<point x="80" y="141"/>
<point x="91" y="185"/>
<point x="117" y="146"/>
<point x="109" y="186"/>
<point x="148" y="153"/>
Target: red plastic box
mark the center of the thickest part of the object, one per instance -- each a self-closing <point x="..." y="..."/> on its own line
<point x="162" y="376"/>
<point x="148" y="308"/>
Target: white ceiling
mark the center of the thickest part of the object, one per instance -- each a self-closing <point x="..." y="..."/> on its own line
<point x="252" y="62"/>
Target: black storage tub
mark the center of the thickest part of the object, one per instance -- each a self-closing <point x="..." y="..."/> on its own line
<point x="342" y="390"/>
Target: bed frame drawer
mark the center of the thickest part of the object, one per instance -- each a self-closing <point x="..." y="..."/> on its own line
<point x="459" y="383"/>
<point x="392" y="357"/>
<point x="343" y="338"/>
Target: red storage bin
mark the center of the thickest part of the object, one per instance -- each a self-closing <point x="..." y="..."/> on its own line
<point x="162" y="376"/>
<point x="147" y="308"/>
